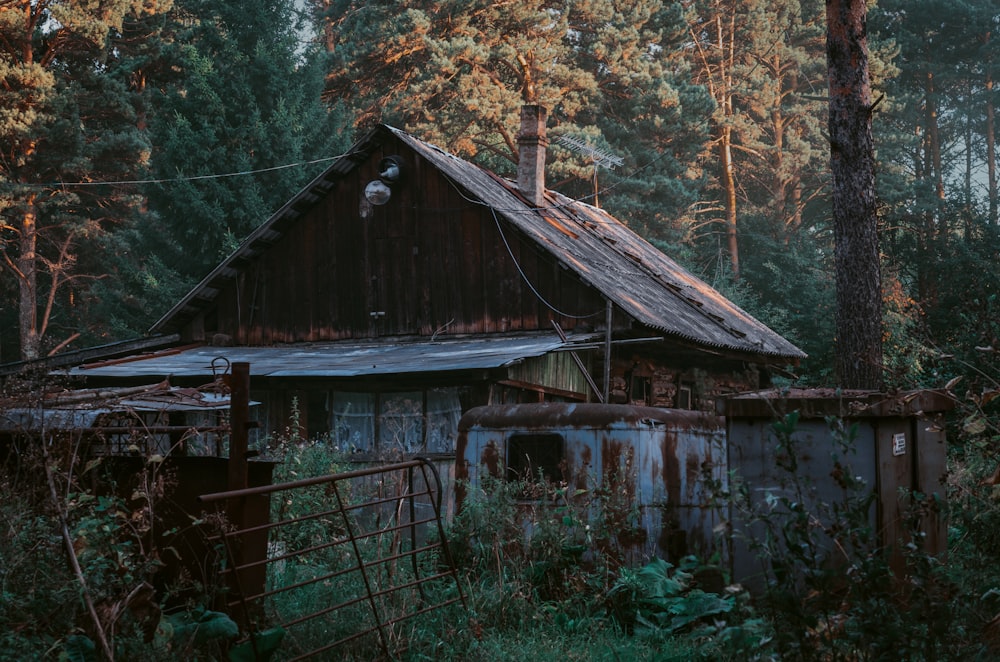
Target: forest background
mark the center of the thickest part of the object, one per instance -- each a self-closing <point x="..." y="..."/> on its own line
<point x="141" y="140"/>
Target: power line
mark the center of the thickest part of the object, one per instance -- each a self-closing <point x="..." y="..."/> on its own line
<point x="191" y="178"/>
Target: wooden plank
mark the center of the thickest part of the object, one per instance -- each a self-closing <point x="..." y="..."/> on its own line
<point x="490" y="285"/>
<point x="470" y="279"/>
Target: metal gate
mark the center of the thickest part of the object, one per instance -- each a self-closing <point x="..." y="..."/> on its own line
<point x="349" y="559"/>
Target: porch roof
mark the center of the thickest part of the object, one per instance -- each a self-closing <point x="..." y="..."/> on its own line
<point x="333" y="359"/>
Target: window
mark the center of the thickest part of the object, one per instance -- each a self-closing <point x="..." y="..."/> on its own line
<point x="354" y="422"/>
<point x="443" y="413"/>
<point x="531" y="454"/>
<point x="404" y="421"/>
<point x="401" y="422"/>
<point x="684" y="400"/>
<point x="640" y="389"/>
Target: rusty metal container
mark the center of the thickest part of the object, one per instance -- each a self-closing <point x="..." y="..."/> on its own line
<point x="658" y="463"/>
<point x="897" y="447"/>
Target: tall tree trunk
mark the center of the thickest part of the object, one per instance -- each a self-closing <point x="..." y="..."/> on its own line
<point x="27" y="269"/>
<point x="991" y="140"/>
<point x="727" y="53"/>
<point x="859" y="292"/>
<point x="933" y="135"/>
<point x="729" y="191"/>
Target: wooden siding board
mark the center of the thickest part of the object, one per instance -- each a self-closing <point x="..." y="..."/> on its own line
<point x="351" y="231"/>
<point x="470" y="279"/>
<point x="331" y="271"/>
<point x="428" y="228"/>
<point x="528" y="259"/>
<point x="306" y="277"/>
<point x="512" y="283"/>
<point x="490" y="294"/>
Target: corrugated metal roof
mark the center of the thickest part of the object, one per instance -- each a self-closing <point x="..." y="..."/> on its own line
<point x="337" y="359"/>
<point x="605" y="253"/>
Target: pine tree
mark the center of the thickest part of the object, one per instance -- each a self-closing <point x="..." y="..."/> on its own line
<point x="246" y="99"/>
<point x="457" y="72"/>
<point x="859" y="288"/>
<point x="937" y="177"/>
<point x="70" y="112"/>
<point x="763" y="62"/>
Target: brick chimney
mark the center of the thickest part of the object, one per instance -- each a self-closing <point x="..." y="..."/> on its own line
<point x="531" y="144"/>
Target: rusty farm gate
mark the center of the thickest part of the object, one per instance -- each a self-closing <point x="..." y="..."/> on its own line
<point x="350" y="559"/>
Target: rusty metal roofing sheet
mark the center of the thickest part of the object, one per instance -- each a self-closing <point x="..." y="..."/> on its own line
<point x="338" y="359"/>
<point x="82" y="408"/>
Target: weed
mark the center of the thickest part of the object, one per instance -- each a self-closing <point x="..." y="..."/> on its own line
<point x="831" y="591"/>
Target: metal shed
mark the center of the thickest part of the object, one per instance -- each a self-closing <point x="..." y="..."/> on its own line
<point x="898" y="446"/>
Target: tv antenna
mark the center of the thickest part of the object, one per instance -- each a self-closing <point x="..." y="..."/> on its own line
<point x="599" y="157"/>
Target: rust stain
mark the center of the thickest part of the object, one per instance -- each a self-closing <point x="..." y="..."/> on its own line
<point x="461" y="470"/>
<point x="619" y="484"/>
<point x="491" y="459"/>
<point x="692" y="471"/>
<point x="672" y="538"/>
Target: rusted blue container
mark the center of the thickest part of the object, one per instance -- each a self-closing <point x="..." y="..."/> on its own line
<point x="658" y="468"/>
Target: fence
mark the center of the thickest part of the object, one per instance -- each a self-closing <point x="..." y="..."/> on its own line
<point x="347" y="561"/>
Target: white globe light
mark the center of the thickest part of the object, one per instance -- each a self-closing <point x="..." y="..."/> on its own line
<point x="377" y="193"/>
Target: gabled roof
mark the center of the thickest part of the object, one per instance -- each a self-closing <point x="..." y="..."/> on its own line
<point x="604" y="253"/>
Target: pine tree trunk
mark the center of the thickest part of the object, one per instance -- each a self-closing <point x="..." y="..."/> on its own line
<point x="991" y="143"/>
<point x="729" y="191"/>
<point x="933" y="135"/>
<point x="28" y="284"/>
<point x="726" y="48"/>
<point x="859" y="300"/>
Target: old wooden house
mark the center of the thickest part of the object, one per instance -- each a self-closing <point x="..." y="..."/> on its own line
<point x="404" y="286"/>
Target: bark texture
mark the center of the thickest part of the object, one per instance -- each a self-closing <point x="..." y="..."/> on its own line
<point x="859" y="292"/>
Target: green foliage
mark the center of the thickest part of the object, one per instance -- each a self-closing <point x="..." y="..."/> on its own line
<point x="536" y="551"/>
<point x="830" y="590"/>
<point x="72" y="114"/>
<point x="261" y="649"/>
<point x="84" y="516"/>
<point x="456" y="73"/>
<point x="194" y="629"/>
<point x="244" y="97"/>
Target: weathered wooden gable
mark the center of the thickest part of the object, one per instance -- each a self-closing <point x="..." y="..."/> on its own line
<point x="432" y="260"/>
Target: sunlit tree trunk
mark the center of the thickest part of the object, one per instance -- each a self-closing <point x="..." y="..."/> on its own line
<point x="27" y="277"/>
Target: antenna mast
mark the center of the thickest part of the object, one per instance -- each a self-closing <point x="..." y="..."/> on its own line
<point x="599" y="157"/>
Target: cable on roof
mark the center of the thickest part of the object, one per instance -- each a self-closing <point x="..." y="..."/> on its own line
<point x="528" y="281"/>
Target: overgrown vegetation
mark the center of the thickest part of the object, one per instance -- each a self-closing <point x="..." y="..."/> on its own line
<point x="830" y="589"/>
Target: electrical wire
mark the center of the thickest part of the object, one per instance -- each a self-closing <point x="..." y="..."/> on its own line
<point x="493" y="210"/>
<point x="528" y="282"/>
<point x="534" y="210"/>
<point x="191" y="178"/>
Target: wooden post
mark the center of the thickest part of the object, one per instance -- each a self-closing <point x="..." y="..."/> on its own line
<point x="607" y="352"/>
<point x="239" y="418"/>
<point x="236" y="508"/>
